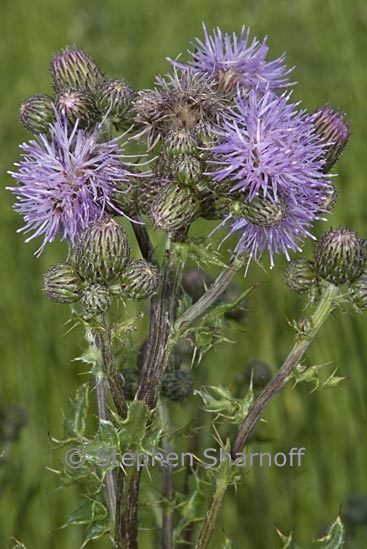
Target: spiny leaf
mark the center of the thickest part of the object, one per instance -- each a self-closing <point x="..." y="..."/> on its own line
<point x="89" y="510"/>
<point x="75" y="420"/>
<point x="334" y="539"/>
<point x="96" y="530"/>
<point x="135" y="426"/>
<point x="199" y="251"/>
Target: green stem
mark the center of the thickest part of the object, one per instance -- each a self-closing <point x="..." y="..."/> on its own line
<point x="219" y="286"/>
<point x="328" y="302"/>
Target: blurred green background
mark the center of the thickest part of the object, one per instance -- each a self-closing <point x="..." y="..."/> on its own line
<point x="326" y="42"/>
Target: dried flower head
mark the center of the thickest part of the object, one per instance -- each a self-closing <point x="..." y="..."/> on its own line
<point x="236" y="61"/>
<point x="182" y="100"/>
<point x="66" y="181"/>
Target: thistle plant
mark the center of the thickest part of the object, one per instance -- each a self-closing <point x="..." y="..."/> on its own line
<point x="220" y="139"/>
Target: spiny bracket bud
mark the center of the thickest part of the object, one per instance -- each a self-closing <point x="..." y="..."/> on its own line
<point x="300" y="276"/>
<point x="177" y="385"/>
<point x="358" y="292"/>
<point x="62" y="284"/>
<point x="331" y="126"/>
<point x="186" y="168"/>
<point x="140" y="280"/>
<point x="95" y="300"/>
<point x="175" y="207"/>
<point x="114" y="97"/>
<point x="339" y="256"/>
<point x="180" y="141"/>
<point x="74" y="68"/>
<point x="264" y="212"/>
<point x="37" y="113"/>
<point x="77" y="105"/>
<point x="102" y="252"/>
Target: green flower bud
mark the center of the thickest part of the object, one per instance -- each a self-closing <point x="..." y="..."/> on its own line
<point x="130" y="378"/>
<point x="176" y="207"/>
<point x="180" y="142"/>
<point x="148" y="190"/>
<point x="77" y="105"/>
<point x="300" y="276"/>
<point x="214" y="208"/>
<point x="327" y="202"/>
<point x="339" y="256"/>
<point x="177" y="385"/>
<point x="95" y="300"/>
<point x="102" y="252"/>
<point x="263" y="211"/>
<point x="114" y="97"/>
<point x="358" y="292"/>
<point x="331" y="126"/>
<point x="73" y="68"/>
<point x="62" y="284"/>
<point x="37" y="113"/>
<point x="140" y="280"/>
<point x="186" y="168"/>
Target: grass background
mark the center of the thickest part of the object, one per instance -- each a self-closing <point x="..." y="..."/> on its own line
<point x="326" y="41"/>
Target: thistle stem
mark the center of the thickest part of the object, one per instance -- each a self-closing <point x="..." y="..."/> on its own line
<point x="219" y="286"/>
<point x="327" y="303"/>
<point x="166" y="482"/>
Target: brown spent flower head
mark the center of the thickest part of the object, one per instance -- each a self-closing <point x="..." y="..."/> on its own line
<point x="182" y="100"/>
<point x="339" y="256"/>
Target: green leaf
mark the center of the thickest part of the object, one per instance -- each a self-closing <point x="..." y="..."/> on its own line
<point x="334" y="539"/>
<point x="96" y="530"/>
<point x="198" y="250"/>
<point x="75" y="420"/>
<point x="135" y="426"/>
<point x="288" y="542"/>
<point x="89" y="510"/>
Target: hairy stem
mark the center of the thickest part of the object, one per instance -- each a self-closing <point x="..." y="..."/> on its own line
<point x="328" y="302"/>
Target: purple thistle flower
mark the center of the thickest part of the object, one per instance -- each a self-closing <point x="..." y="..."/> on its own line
<point x="66" y="181"/>
<point x="233" y="60"/>
<point x="266" y="144"/>
<point x="274" y="158"/>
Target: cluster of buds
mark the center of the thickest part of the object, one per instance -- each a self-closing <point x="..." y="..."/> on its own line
<point x="340" y="259"/>
<point x="82" y="93"/>
<point x="101" y="269"/>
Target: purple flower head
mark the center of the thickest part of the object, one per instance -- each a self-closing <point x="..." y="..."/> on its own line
<point x="236" y="61"/>
<point x="267" y="144"/>
<point x="273" y="156"/>
<point x="66" y="181"/>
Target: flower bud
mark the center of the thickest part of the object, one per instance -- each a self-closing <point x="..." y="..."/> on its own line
<point x="264" y="212"/>
<point x="358" y="292"/>
<point x="148" y="190"/>
<point x="331" y="126"/>
<point x="77" y="105"/>
<point x="339" y="256"/>
<point x="180" y="141"/>
<point x="102" y="252"/>
<point x="62" y="284"/>
<point x="300" y="276"/>
<point x="73" y="68"/>
<point x="37" y="113"/>
<point x="130" y="378"/>
<point x="176" y="207"/>
<point x="114" y="97"/>
<point x="140" y="280"/>
<point x="95" y="300"/>
<point x="186" y="168"/>
<point x="177" y="385"/>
